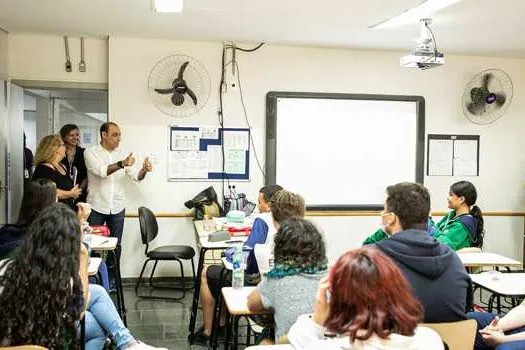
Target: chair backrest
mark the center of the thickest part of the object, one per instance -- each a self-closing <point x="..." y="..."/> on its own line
<point x="458" y="335"/>
<point x="469" y="250"/>
<point x="149" y="228"/>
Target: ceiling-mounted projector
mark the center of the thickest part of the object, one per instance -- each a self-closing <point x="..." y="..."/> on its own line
<point x="425" y="55"/>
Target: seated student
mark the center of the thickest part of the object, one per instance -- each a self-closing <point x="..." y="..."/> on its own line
<point x="435" y="272"/>
<point x="210" y="277"/>
<point x="368" y="304"/>
<point x="507" y="333"/>
<point x="38" y="195"/>
<point x="460" y="228"/>
<point x="44" y="289"/>
<point x="289" y="288"/>
<point x="463" y="226"/>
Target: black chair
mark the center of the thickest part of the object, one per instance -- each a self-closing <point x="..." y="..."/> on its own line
<point x="149" y="229"/>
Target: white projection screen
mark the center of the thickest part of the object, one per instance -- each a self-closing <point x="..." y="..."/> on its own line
<point x="341" y="151"/>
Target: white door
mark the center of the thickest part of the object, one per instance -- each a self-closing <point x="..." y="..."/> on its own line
<point x="3" y="152"/>
<point x="15" y="151"/>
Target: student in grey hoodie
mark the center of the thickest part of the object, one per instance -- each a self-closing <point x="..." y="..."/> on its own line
<point x="435" y="272"/>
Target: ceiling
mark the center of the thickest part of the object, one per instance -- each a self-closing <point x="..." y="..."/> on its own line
<point x="482" y="27"/>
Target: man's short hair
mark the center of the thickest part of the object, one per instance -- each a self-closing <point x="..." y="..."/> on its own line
<point x="286" y="205"/>
<point x="105" y="127"/>
<point x="268" y="192"/>
<point x="410" y="202"/>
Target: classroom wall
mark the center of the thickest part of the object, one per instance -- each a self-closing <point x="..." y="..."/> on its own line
<point x="300" y="69"/>
<point x="3" y="54"/>
<point x="323" y="70"/>
<point x="42" y="58"/>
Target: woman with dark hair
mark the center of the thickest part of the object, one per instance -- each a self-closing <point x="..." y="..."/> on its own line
<point x="41" y="289"/>
<point x="37" y="195"/>
<point x="44" y="289"/>
<point x="74" y="159"/>
<point x="368" y="304"/>
<point x="463" y="226"/>
<point x="49" y="154"/>
<point x="289" y="287"/>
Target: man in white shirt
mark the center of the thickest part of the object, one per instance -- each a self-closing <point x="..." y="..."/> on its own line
<point x="107" y="169"/>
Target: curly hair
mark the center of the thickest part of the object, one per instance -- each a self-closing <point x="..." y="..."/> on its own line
<point x="410" y="202"/>
<point x="47" y="148"/>
<point x="299" y="246"/>
<point x="42" y="298"/>
<point x="285" y="205"/>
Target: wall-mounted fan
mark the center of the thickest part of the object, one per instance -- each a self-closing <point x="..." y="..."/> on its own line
<point x="179" y="85"/>
<point x="487" y="96"/>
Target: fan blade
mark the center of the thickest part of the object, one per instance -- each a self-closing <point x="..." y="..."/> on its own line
<point x="164" y="91"/>
<point x="192" y="95"/>
<point x="500" y="99"/>
<point x="182" y="69"/>
<point x="486" y="80"/>
<point x="477" y="95"/>
<point x="476" y="108"/>
<point x="177" y="99"/>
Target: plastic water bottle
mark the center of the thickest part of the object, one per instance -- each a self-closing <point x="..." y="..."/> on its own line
<point x="238" y="268"/>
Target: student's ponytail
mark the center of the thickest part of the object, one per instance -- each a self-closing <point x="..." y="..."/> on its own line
<point x="475" y="211"/>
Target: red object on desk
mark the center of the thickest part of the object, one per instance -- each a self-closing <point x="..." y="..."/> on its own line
<point x="233" y="231"/>
<point x="100" y="230"/>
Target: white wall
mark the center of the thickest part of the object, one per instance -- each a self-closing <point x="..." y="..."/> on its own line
<point x="3" y="54"/>
<point x="42" y="58"/>
<point x="500" y="185"/>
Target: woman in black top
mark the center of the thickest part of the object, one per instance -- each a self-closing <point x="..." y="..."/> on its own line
<point x="49" y="153"/>
<point x="74" y="159"/>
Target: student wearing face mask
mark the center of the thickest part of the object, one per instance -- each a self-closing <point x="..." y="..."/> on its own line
<point x="462" y="227"/>
<point x="435" y="272"/>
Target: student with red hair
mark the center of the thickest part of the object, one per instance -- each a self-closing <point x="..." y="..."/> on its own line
<point x="367" y="302"/>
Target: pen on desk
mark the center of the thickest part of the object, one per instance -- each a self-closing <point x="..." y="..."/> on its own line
<point x="104" y="242"/>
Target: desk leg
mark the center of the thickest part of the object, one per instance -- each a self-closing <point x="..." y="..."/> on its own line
<point x="120" y="290"/>
<point x="196" y="294"/>
<point x="227" y="337"/>
<point x="235" y="332"/>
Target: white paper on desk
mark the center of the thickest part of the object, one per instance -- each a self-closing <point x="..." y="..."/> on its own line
<point x="188" y="165"/>
<point x="185" y="140"/>
<point x="440" y="157"/>
<point x="97" y="241"/>
<point x="236" y="140"/>
<point x="466" y="157"/>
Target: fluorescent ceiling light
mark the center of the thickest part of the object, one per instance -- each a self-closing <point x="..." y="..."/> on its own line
<point x="167" y="5"/>
<point x="413" y="15"/>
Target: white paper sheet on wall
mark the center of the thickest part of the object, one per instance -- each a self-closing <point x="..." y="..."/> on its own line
<point x="465" y="157"/>
<point x="236" y="140"/>
<point x="185" y="140"/>
<point x="188" y="165"/>
<point x="440" y="157"/>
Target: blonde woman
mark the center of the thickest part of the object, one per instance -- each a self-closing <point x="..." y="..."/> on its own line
<point x="48" y="157"/>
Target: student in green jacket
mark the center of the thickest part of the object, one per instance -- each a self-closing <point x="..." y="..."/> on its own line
<point x="462" y="227"/>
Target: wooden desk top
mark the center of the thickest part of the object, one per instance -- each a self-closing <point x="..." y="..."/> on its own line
<point x="507" y="284"/>
<point x="479" y="259"/>
<point x="237" y="301"/>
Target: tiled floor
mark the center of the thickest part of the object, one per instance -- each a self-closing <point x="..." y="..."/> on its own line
<point x="160" y="323"/>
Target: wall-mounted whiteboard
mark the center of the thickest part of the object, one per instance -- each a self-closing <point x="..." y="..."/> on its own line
<point x="341" y="151"/>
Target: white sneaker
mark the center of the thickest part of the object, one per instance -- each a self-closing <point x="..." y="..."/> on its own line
<point x="143" y="346"/>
